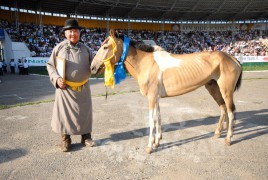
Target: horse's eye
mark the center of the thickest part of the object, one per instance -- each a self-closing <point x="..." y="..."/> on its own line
<point x="105" y="47"/>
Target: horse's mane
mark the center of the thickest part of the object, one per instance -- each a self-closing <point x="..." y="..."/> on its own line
<point x="138" y="44"/>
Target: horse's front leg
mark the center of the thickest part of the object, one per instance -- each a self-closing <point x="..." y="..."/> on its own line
<point x="223" y="117"/>
<point x="153" y="118"/>
<point x="158" y="134"/>
<point x="149" y="148"/>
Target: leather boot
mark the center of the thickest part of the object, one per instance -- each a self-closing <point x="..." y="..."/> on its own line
<point x="65" y="142"/>
<point x="86" y="140"/>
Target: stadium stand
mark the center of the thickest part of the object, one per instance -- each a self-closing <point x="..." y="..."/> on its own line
<point x="38" y="24"/>
<point x="247" y="43"/>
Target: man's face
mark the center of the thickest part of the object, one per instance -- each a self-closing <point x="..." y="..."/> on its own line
<point x="72" y="35"/>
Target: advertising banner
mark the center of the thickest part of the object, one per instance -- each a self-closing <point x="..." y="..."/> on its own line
<point x="219" y="27"/>
<point x="42" y="61"/>
<point x="209" y="27"/>
<point x="246" y="59"/>
<point x="37" y="61"/>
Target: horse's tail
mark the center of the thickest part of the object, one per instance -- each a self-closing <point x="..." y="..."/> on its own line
<point x="238" y="83"/>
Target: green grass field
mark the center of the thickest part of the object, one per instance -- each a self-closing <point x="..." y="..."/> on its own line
<point x="258" y="66"/>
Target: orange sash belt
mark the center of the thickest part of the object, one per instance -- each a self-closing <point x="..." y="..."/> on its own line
<point x="76" y="86"/>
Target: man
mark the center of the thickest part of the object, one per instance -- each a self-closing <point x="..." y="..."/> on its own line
<point x="72" y="113"/>
<point x="4" y="66"/>
<point x="12" y="66"/>
<point x="25" y="67"/>
<point x="1" y="69"/>
<point x="20" y="66"/>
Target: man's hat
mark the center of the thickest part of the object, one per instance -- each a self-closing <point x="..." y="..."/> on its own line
<point x="71" y="24"/>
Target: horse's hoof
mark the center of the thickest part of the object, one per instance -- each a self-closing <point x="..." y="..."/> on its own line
<point x="149" y="150"/>
<point x="156" y="145"/>
<point x="227" y="143"/>
<point x="217" y="135"/>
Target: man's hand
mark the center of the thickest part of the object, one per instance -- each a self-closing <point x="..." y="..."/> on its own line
<point x="61" y="83"/>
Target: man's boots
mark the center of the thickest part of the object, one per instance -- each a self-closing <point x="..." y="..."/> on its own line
<point x="65" y="142"/>
<point x="86" y="140"/>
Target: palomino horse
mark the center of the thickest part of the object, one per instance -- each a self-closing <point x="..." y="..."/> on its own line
<point x="161" y="74"/>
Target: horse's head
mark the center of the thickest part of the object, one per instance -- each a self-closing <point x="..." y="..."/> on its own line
<point x="110" y="50"/>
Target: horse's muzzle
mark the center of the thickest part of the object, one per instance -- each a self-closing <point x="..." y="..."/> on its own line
<point x="93" y="70"/>
<point x="98" y="71"/>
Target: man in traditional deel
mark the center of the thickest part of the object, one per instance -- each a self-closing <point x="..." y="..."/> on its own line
<point x="69" y="71"/>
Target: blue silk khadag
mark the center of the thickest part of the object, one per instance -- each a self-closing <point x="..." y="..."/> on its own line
<point x="119" y="73"/>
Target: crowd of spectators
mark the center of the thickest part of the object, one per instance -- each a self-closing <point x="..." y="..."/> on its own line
<point x="246" y="43"/>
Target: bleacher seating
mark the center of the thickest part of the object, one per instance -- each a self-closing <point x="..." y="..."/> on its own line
<point x="247" y="43"/>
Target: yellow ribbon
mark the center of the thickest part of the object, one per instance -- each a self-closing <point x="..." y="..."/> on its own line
<point x="76" y="86"/>
<point x="109" y="68"/>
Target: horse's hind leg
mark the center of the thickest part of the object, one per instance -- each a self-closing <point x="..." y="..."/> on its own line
<point x="214" y="91"/>
<point x="231" y="116"/>
<point x="227" y="91"/>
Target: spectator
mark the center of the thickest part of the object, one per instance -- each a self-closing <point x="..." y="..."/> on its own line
<point x="1" y="68"/>
<point x="4" y="66"/>
<point x="12" y="66"/>
<point x="25" y="67"/>
<point x="20" y="67"/>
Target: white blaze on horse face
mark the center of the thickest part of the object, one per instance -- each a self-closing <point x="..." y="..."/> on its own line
<point x="101" y="56"/>
<point x="165" y="60"/>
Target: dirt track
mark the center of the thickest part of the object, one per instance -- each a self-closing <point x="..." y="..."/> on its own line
<point x="29" y="149"/>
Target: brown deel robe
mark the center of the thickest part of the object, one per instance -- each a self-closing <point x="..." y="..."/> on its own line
<point x="72" y="112"/>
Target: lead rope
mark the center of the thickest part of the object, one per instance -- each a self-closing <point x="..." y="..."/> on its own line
<point x="106" y="95"/>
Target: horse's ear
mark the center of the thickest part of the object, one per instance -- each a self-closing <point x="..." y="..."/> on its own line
<point x="112" y="33"/>
<point x="116" y="34"/>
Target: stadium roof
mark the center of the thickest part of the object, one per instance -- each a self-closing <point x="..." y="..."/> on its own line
<point x="175" y="10"/>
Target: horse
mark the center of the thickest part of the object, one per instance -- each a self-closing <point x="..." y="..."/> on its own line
<point x="161" y="74"/>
